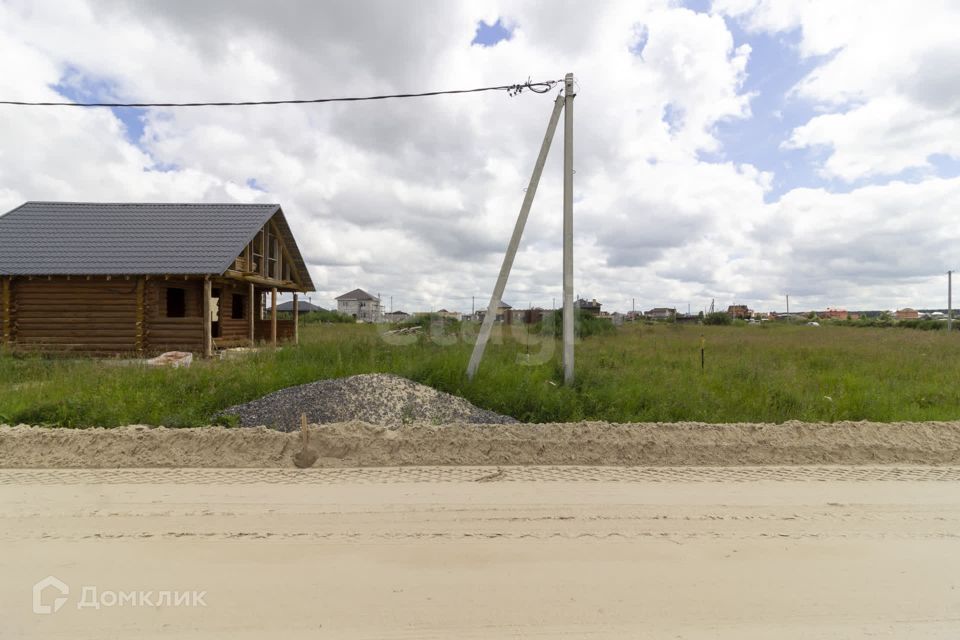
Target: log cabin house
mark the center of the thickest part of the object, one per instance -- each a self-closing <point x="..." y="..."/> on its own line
<point x="136" y="278"/>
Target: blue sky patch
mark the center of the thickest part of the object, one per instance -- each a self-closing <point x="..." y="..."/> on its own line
<point x="673" y="116"/>
<point x="78" y="87"/>
<point x="773" y="69"/>
<point x="489" y="35"/>
<point x="700" y="6"/>
<point x="641" y="35"/>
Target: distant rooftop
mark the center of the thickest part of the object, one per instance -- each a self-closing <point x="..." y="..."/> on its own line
<point x="357" y="294"/>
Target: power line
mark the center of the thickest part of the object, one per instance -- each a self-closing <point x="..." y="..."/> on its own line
<point x="511" y="89"/>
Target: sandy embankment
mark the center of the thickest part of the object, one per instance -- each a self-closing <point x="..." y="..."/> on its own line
<point x="356" y="444"/>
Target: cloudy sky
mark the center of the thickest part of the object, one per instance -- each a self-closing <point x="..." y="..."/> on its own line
<point x="737" y="150"/>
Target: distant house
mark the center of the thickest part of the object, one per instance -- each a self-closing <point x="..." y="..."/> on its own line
<point x="138" y="278"/>
<point x="588" y="306"/>
<point x="739" y="311"/>
<point x="360" y="305"/>
<point x="835" y="314"/>
<point x="529" y="316"/>
<point x="504" y="314"/>
<point x="396" y="316"/>
<point x="907" y="314"/>
<point x="661" y="313"/>
<point x="450" y="315"/>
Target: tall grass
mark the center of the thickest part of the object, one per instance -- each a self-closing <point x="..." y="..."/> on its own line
<point x="638" y="373"/>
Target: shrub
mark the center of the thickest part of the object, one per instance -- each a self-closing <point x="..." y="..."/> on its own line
<point x="584" y="324"/>
<point x="717" y="318"/>
<point x="325" y="316"/>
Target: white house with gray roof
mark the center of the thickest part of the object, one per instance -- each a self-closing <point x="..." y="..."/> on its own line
<point x="360" y="305"/>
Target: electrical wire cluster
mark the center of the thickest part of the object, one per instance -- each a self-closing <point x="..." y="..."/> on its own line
<point x="543" y="86"/>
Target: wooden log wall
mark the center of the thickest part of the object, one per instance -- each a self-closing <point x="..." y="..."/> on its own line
<point x="234" y="332"/>
<point x="77" y="315"/>
<point x="173" y="334"/>
<point x="285" y="330"/>
<point x="124" y="316"/>
<point x="7" y="311"/>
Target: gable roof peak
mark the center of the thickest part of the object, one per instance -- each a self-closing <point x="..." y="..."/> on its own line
<point x="356" y="294"/>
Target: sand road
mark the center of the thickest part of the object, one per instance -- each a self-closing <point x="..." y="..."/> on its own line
<point x="468" y="552"/>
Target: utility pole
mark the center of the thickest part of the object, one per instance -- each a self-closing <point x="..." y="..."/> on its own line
<point x="473" y="305"/>
<point x="568" y="229"/>
<point x="949" y="301"/>
<point x="788" y="304"/>
<point x="508" y="257"/>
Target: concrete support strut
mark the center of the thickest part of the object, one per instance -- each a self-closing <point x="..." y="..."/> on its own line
<point x="568" y="318"/>
<point x="488" y="319"/>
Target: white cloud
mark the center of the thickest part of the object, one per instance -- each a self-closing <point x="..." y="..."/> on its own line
<point x="883" y="136"/>
<point x="889" y="77"/>
<point x="417" y="198"/>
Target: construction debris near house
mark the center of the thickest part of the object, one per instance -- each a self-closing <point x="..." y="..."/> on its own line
<point x="403" y="331"/>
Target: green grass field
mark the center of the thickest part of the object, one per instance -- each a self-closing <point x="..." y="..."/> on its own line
<point x="639" y="373"/>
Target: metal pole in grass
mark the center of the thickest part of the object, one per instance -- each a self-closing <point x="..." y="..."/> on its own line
<point x="703" y="345"/>
<point x="495" y="298"/>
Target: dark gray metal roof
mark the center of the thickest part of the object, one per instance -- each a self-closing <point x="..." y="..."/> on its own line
<point x="302" y="306"/>
<point x="97" y="238"/>
<point x="356" y="294"/>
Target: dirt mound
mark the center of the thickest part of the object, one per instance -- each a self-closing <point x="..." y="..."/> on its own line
<point x="358" y="444"/>
<point x="377" y="398"/>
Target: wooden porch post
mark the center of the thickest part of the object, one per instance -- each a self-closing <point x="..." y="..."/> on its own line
<point x="7" y="313"/>
<point x="296" y="319"/>
<point x="139" y="322"/>
<point x="251" y="309"/>
<point x="207" y="326"/>
<point x="273" y="316"/>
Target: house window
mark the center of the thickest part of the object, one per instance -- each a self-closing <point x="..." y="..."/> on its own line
<point x="273" y="250"/>
<point x="238" y="307"/>
<point x="176" y="302"/>
<point x="258" y="253"/>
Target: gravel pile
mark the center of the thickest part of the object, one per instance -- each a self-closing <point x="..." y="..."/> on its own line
<point x="378" y="398"/>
